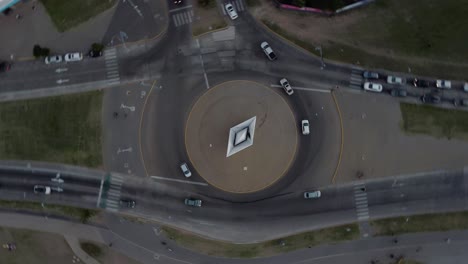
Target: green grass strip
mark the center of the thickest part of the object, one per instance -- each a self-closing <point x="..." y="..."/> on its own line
<point x="264" y="249"/>
<point x="421" y="223"/>
<point x="434" y="121"/>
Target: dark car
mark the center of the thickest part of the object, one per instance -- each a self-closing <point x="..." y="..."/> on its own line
<point x="193" y="202"/>
<point x="128" y="203"/>
<point x="398" y="92"/>
<point x="370" y="75"/>
<point x="177" y="2"/>
<point x="4" y="66"/>
<point x="94" y="53"/>
<point x="420" y="83"/>
<point x="431" y="99"/>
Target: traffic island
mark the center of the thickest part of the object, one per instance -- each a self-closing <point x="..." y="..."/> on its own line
<point x="253" y="168"/>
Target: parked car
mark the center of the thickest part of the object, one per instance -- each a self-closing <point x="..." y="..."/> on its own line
<point x="465" y="87"/>
<point x="177" y="2"/>
<point x="127" y="203"/>
<point x="399" y="92"/>
<point x="268" y="51"/>
<point x="420" y="83"/>
<point x="287" y="88"/>
<point x="373" y="87"/>
<point x="185" y="169"/>
<point x="370" y="75"/>
<point x="4" y="66"/>
<point x="394" y="80"/>
<point x="460" y="102"/>
<point x="193" y="202"/>
<point x="312" y="195"/>
<point x="94" y="53"/>
<point x="305" y="127"/>
<point x="231" y="11"/>
<point x="53" y="59"/>
<point x="443" y="84"/>
<point x="431" y="99"/>
<point x="464" y="102"/>
<point x="77" y="56"/>
<point x="42" y="189"/>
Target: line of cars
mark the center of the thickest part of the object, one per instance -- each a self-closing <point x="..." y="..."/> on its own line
<point x="398" y="91"/>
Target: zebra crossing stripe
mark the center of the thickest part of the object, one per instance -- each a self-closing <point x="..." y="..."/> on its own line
<point x="242" y="5"/>
<point x="189" y="18"/>
<point x="174" y="19"/>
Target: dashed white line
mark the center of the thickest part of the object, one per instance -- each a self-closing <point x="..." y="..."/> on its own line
<point x="177" y="180"/>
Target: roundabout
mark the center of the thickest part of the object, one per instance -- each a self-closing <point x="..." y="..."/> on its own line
<point x="256" y="167"/>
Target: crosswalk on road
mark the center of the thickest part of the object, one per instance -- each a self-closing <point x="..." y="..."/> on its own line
<point x="356" y="78"/>
<point x="112" y="65"/>
<point x="182" y="18"/>
<point x="238" y="5"/>
<point x="113" y="194"/>
<point x="360" y="200"/>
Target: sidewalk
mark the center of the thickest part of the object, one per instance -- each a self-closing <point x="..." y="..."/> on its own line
<point x="35" y="27"/>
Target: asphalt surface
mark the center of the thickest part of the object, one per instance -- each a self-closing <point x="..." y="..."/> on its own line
<point x="165" y="79"/>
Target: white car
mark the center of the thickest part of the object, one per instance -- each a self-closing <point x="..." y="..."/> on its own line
<point x="287" y="88"/>
<point x="231" y="11"/>
<point x="394" y="80"/>
<point x="312" y="195"/>
<point x="268" y="50"/>
<point x="42" y="189"/>
<point x="443" y="84"/>
<point x="185" y="169"/>
<point x="77" y="56"/>
<point x="373" y="87"/>
<point x="465" y="87"/>
<point x="53" y="59"/>
<point x="305" y="127"/>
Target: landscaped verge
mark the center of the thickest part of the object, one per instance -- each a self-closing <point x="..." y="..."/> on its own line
<point x="206" y="17"/>
<point x="434" y="121"/>
<point x="420" y="223"/>
<point x="70" y="13"/>
<point x="62" y="129"/>
<point x="269" y="248"/>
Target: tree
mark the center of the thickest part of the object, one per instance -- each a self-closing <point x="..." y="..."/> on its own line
<point x="299" y="3"/>
<point x="39" y="51"/>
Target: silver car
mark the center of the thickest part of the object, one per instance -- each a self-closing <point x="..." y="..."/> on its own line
<point x="185" y="169"/>
<point x="53" y="59"/>
<point x="312" y="195"/>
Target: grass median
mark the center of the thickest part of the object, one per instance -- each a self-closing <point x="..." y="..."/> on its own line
<point x="62" y="129"/>
<point x="434" y="121"/>
<point x="264" y="249"/>
<point x="420" y="223"/>
<point x="70" y="13"/>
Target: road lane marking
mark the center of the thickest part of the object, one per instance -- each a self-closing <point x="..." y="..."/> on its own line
<point x="100" y="193"/>
<point x="206" y="81"/>
<point x="177" y="180"/>
<point x="180" y="8"/>
<point x="304" y="88"/>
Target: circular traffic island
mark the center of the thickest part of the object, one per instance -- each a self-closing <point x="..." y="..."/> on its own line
<point x="274" y="136"/>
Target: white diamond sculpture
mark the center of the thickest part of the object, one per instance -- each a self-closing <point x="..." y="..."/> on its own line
<point x="241" y="136"/>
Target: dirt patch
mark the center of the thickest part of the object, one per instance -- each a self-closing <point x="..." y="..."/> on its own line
<point x="206" y="19"/>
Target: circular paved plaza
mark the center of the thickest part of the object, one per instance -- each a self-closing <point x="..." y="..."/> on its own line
<point x="274" y="143"/>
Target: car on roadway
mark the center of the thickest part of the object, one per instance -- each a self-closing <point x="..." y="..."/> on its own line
<point x="177" y="2"/>
<point x="305" y="127"/>
<point x="53" y="59"/>
<point x="95" y="54"/>
<point x="185" y="169"/>
<point x="420" y="83"/>
<point x="465" y="87"/>
<point x="431" y="99"/>
<point x="231" y="11"/>
<point x="193" y="202"/>
<point x="370" y="75"/>
<point x="373" y="87"/>
<point x="42" y="189"/>
<point x="127" y="203"/>
<point x="394" y="80"/>
<point x="286" y="86"/>
<point x="312" y="195"/>
<point x="268" y="50"/>
<point x="443" y="84"/>
<point x="399" y="92"/>
<point x="4" y="66"/>
<point x="77" y="56"/>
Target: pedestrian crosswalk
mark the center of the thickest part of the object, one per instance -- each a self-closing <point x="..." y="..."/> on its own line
<point x="113" y="194"/>
<point x="112" y="65"/>
<point x="356" y="78"/>
<point x="238" y="5"/>
<point x="360" y="200"/>
<point x="182" y="18"/>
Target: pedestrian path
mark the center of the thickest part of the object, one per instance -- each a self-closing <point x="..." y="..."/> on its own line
<point x="360" y="200"/>
<point x="356" y="79"/>
<point x="113" y="195"/>
<point x="112" y="65"/>
<point x="238" y="6"/>
<point x="182" y="18"/>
